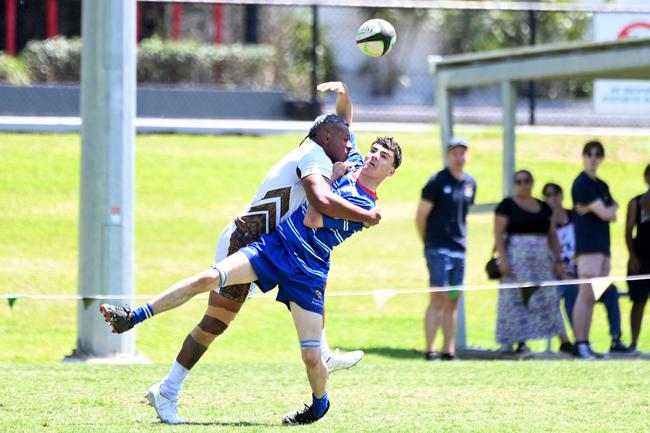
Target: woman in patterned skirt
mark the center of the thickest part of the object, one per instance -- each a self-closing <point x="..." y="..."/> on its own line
<point x="529" y="251"/>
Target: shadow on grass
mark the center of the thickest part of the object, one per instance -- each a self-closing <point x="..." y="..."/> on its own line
<point x="390" y="352"/>
<point x="225" y="424"/>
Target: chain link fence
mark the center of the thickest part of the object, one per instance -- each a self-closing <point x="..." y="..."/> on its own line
<point x="273" y="49"/>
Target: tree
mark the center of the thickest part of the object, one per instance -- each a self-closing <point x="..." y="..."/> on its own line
<point x="472" y="31"/>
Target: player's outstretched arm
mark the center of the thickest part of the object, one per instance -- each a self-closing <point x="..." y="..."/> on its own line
<point x="343" y="101"/>
<point x="319" y="195"/>
<point x="315" y="220"/>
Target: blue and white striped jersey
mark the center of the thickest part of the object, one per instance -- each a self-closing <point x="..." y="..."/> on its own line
<point x="311" y="248"/>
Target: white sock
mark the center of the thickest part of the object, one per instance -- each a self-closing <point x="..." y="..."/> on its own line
<point x="171" y="384"/>
<point x="324" y="347"/>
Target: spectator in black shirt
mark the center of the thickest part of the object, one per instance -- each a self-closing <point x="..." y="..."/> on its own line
<point x="594" y="209"/>
<point x="440" y="220"/>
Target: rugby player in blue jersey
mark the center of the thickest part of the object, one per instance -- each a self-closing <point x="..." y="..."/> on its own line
<point x="296" y="257"/>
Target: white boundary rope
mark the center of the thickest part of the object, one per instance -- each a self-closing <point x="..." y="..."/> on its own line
<point x="599" y="284"/>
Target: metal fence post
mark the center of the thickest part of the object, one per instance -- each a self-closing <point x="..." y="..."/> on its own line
<point x="107" y="172"/>
<point x="314" y="104"/>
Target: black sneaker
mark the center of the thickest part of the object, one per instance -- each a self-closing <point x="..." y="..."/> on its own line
<point x="618" y="348"/>
<point x="121" y="319"/>
<point x="430" y="356"/>
<point x="523" y="351"/>
<point x="567" y="348"/>
<point x="306" y="416"/>
<point x="448" y="356"/>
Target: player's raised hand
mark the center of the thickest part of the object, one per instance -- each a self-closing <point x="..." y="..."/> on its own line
<point x="333" y="86"/>
<point x="343" y="102"/>
<point x="340" y="168"/>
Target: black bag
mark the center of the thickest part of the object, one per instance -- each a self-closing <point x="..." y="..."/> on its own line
<point x="492" y="269"/>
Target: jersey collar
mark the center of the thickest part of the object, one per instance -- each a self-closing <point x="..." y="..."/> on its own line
<point x="370" y="192"/>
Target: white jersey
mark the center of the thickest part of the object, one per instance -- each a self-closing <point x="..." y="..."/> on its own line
<point x="566" y="236"/>
<point x="281" y="192"/>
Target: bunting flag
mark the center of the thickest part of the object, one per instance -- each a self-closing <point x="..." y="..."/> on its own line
<point x="382" y="296"/>
<point x="11" y="302"/>
<point x="87" y="302"/>
<point x="527" y="293"/>
<point x="599" y="285"/>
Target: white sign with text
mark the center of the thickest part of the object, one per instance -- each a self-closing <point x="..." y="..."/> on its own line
<point x="621" y="96"/>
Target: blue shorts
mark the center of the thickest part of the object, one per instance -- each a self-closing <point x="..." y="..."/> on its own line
<point x="446" y="268"/>
<point x="274" y="267"/>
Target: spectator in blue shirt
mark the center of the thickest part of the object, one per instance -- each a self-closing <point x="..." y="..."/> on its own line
<point x="440" y="221"/>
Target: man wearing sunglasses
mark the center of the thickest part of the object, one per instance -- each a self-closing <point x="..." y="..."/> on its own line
<point x="594" y="209"/>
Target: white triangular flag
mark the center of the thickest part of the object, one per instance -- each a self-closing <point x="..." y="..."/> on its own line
<point x="599" y="285"/>
<point x="382" y="296"/>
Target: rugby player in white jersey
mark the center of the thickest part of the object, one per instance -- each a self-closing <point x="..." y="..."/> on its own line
<point x="303" y="174"/>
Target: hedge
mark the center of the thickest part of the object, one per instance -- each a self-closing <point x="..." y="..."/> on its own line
<point x="161" y="62"/>
<point x="189" y="62"/>
<point x="13" y="70"/>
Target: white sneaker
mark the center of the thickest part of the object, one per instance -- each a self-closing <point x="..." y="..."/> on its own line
<point x="583" y="351"/>
<point x="165" y="408"/>
<point x="343" y="360"/>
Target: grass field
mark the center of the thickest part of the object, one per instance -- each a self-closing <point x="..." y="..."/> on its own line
<point x="187" y="189"/>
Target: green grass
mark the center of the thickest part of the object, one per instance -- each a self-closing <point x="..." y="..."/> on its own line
<point x="187" y="189"/>
<point x="382" y="394"/>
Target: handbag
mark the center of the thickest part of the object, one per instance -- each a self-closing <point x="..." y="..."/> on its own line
<point x="492" y="266"/>
<point x="492" y="269"/>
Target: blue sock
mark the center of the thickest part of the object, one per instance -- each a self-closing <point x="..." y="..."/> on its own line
<point x="319" y="404"/>
<point x="143" y="313"/>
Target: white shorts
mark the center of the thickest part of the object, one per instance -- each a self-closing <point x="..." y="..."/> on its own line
<point x="223" y="243"/>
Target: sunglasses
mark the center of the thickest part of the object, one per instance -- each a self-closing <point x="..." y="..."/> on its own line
<point x="526" y="181"/>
